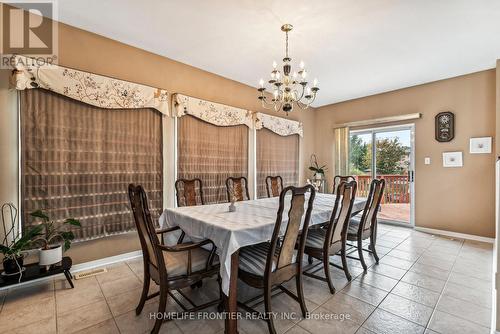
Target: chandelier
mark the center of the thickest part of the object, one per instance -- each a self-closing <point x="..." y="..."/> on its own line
<point x="287" y="87"/>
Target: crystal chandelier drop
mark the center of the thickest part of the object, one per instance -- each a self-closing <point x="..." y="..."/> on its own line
<point x="287" y="87"/>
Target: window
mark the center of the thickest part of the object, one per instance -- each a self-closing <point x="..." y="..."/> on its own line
<point x="77" y="161"/>
<point x="276" y="155"/>
<point x="211" y="153"/>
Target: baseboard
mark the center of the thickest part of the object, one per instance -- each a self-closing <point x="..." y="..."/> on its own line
<point x="83" y="266"/>
<point x="455" y="234"/>
<point x="106" y="261"/>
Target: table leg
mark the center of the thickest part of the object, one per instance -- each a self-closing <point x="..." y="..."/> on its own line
<point x="231" y="301"/>
<point x="68" y="277"/>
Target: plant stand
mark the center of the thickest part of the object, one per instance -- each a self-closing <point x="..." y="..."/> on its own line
<point x="35" y="271"/>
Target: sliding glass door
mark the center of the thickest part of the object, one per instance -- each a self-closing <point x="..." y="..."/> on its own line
<point x="386" y="153"/>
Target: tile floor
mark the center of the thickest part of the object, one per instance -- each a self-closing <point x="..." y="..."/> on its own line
<point x="423" y="284"/>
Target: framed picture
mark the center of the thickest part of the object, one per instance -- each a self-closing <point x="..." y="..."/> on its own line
<point x="480" y="145"/>
<point x="452" y="159"/>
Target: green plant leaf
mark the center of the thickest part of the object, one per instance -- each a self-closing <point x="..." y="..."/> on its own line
<point x="40" y="214"/>
<point x="73" y="221"/>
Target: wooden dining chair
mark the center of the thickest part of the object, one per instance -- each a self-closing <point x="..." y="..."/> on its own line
<point x="366" y="227"/>
<point x="269" y="264"/>
<point x="339" y="178"/>
<point x="321" y="243"/>
<point x="274" y="185"/>
<point x="170" y="267"/>
<point x="187" y="194"/>
<point x="237" y="186"/>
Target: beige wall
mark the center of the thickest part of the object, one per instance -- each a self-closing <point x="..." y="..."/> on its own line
<point x="89" y="52"/>
<point x="452" y="199"/>
<point x="461" y="199"/>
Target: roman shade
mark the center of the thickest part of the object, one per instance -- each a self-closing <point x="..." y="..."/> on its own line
<point x="96" y="90"/>
<point x="276" y="155"/>
<point x="77" y="161"/>
<point x="211" y="153"/>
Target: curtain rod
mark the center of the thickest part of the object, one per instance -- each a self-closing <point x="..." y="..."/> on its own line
<point x="380" y="120"/>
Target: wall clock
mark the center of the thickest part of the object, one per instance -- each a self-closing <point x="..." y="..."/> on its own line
<point x="445" y="126"/>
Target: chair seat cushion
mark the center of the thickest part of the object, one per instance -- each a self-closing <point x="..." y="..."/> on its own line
<point x="316" y="237"/>
<point x="177" y="262"/>
<point x="253" y="258"/>
<point x="354" y="225"/>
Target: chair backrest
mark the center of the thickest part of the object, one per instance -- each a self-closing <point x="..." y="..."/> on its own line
<point x="238" y="186"/>
<point x="338" y="179"/>
<point x="369" y="217"/>
<point x="186" y="193"/>
<point x="296" y="217"/>
<point x="149" y="240"/>
<point x="341" y="214"/>
<point x="274" y="185"/>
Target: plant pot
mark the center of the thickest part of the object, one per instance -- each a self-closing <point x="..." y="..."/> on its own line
<point x="318" y="176"/>
<point x="11" y="267"/>
<point x="50" y="256"/>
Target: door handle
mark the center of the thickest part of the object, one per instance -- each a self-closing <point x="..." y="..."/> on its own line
<point x="411" y="176"/>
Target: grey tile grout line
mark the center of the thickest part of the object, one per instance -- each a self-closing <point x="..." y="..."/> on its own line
<point x="136" y="275"/>
<point x="407" y="270"/>
<point x="361" y="273"/>
<point x="441" y="295"/>
<point x="109" y="308"/>
<point x="399" y="280"/>
<point x="55" y="306"/>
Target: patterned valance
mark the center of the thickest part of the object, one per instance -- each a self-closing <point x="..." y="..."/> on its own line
<point x="211" y="112"/>
<point x="93" y="89"/>
<point x="278" y="125"/>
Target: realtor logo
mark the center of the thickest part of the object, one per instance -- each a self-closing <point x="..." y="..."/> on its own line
<point x="29" y="29"/>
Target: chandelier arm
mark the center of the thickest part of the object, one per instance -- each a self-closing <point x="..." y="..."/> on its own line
<point x="302" y="105"/>
<point x="302" y="94"/>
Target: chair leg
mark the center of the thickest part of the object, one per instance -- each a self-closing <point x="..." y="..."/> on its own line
<point x="360" y="253"/>
<point x="343" y="256"/>
<point x="161" y="310"/>
<point x="372" y="248"/>
<point x="326" y="266"/>
<point x="310" y="259"/>
<point x="144" y="295"/>
<point x="267" y="305"/>
<point x="300" y="294"/>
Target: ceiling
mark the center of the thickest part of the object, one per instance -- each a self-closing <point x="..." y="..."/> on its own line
<point x="354" y="48"/>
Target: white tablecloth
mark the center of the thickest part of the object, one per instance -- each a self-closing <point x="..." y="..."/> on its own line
<point x="252" y="223"/>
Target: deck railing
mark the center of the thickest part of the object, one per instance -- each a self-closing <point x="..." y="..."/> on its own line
<point x="397" y="187"/>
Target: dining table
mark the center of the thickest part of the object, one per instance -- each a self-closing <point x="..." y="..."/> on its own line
<point x="251" y="223"/>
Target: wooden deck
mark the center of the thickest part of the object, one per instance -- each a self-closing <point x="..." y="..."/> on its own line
<point x="399" y="212"/>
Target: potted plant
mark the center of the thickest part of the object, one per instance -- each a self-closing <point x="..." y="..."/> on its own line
<point x="13" y="250"/>
<point x="54" y="238"/>
<point x="14" y="242"/>
<point x="319" y="171"/>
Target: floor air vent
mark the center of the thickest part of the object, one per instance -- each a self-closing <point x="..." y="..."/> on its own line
<point x="88" y="273"/>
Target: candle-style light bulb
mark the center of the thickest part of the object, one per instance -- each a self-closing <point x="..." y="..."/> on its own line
<point x="308" y="90"/>
<point x="315" y="82"/>
<point x="302" y="65"/>
<point x="278" y="75"/>
<point x="304" y="74"/>
<point x="261" y="83"/>
<point x="294" y="75"/>
<point x="276" y="94"/>
<point x="275" y="64"/>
